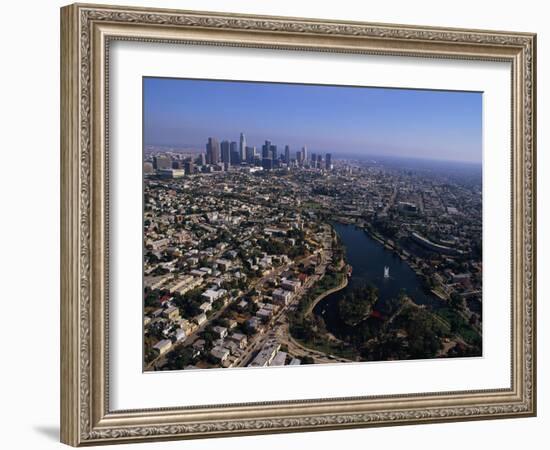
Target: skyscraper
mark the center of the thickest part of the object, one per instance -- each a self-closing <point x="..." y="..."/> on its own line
<point x="273" y="149"/>
<point x="189" y="166"/>
<point x="299" y="156"/>
<point x="267" y="155"/>
<point x="319" y="164"/>
<point x="328" y="161"/>
<point x="304" y="154"/>
<point x="212" y="151"/>
<point x="250" y="154"/>
<point x="235" y="153"/>
<point x="242" y="147"/>
<point x="226" y="155"/>
<point x="266" y="150"/>
<point x="287" y="154"/>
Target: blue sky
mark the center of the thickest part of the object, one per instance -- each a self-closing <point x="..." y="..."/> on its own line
<point x="443" y="125"/>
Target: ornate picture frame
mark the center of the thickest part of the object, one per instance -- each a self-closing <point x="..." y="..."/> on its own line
<point x="86" y="34"/>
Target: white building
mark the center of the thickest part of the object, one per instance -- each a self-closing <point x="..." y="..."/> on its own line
<point x="163" y="346"/>
<point x="180" y="335"/>
<point x="211" y="295"/>
<point x="205" y="307"/>
<point x="266" y="354"/>
<point x="279" y="359"/>
<point x="200" y="319"/>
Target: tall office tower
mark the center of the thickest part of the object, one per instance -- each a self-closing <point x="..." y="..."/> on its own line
<point x="299" y="156"/>
<point x="266" y="150"/>
<point x="250" y="154"/>
<point x="189" y="166"/>
<point x="226" y="152"/>
<point x="313" y="159"/>
<point x="328" y="161"/>
<point x="267" y="163"/>
<point x="235" y="153"/>
<point x="242" y="147"/>
<point x="212" y="151"/>
<point x="304" y="154"/>
<point x="319" y="161"/>
<point x="287" y="154"/>
<point x="202" y="159"/>
<point x="162" y="162"/>
<point x="274" y="156"/>
<point x="267" y="159"/>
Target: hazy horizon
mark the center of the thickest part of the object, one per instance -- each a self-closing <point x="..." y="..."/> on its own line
<point x="342" y="120"/>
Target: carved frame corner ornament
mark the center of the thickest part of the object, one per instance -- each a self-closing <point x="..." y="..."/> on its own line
<point x="86" y="33"/>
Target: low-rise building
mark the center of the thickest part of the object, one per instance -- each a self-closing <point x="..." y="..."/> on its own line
<point x="211" y="295"/>
<point x="279" y="359"/>
<point x="239" y="338"/>
<point x="172" y="313"/>
<point x="266" y="354"/>
<point x="219" y="353"/>
<point x="223" y="264"/>
<point x="220" y="331"/>
<point x="265" y="313"/>
<point x="253" y="323"/>
<point x="180" y="335"/>
<point x="281" y="296"/>
<point x="200" y="319"/>
<point x="290" y="285"/>
<point x="163" y="346"/>
<point x="205" y="307"/>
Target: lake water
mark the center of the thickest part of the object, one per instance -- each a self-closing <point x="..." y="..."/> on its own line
<point x="368" y="258"/>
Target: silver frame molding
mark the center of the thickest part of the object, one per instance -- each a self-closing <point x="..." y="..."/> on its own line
<point x="86" y="32"/>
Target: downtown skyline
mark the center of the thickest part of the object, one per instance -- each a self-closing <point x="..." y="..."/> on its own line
<point x="362" y="121"/>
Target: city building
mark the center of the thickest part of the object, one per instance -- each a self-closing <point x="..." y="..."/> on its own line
<point x="242" y="147"/>
<point x="279" y="359"/>
<point x="266" y="354"/>
<point x="163" y="346"/>
<point x="235" y="153"/>
<point x="328" y="161"/>
<point x="171" y="173"/>
<point x="281" y="296"/>
<point x="220" y="331"/>
<point x="220" y="353"/>
<point x="225" y="152"/>
<point x="300" y="158"/>
<point x="162" y="162"/>
<point x="189" y="166"/>
<point x="148" y="168"/>
<point x="250" y="155"/>
<point x="212" y="151"/>
<point x="171" y="313"/>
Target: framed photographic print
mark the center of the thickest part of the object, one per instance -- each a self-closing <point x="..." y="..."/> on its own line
<point x="279" y="224"/>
